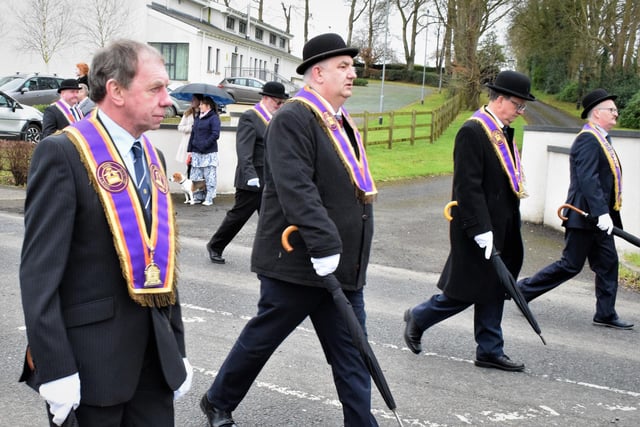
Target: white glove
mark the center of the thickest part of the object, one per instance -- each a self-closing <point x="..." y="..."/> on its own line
<point x="326" y="265"/>
<point x="186" y="385"/>
<point x="605" y="223"/>
<point x="62" y="395"/>
<point x="485" y="240"/>
<point x="254" y="182"/>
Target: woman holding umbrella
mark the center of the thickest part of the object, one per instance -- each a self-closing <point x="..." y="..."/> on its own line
<point x="203" y="146"/>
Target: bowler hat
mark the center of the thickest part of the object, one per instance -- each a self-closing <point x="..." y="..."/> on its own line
<point x="69" y="84"/>
<point x="594" y="98"/>
<point x="513" y="83"/>
<point x="275" y="90"/>
<point x="322" y="47"/>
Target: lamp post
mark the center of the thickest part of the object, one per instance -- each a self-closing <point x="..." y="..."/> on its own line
<point x="424" y="64"/>
<point x="580" y="68"/>
<point x="384" y="62"/>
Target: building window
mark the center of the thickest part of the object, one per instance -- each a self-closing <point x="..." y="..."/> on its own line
<point x="217" y="60"/>
<point x="242" y="27"/>
<point x="209" y="58"/>
<point x="176" y="59"/>
<point x="283" y="43"/>
<point x="231" y="23"/>
<point x="259" y="33"/>
<point x="272" y="39"/>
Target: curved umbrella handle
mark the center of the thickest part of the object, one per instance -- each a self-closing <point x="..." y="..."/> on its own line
<point x="573" y="208"/>
<point x="447" y="209"/>
<point x="284" y="239"/>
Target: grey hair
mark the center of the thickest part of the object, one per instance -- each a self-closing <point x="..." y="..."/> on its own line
<point x="118" y="61"/>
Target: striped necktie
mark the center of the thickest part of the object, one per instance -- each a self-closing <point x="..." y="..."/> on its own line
<point x="142" y="177"/>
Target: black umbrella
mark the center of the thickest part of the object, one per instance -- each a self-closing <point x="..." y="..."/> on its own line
<point x="507" y="280"/>
<point x="358" y="337"/>
<point x="186" y="92"/>
<point x="593" y="220"/>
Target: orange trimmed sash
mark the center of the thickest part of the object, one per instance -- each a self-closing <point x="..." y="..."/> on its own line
<point x="510" y="165"/>
<point x="147" y="257"/>
<point x="356" y="163"/>
<point x="262" y="113"/>
<point x="66" y="111"/>
<point x="612" y="158"/>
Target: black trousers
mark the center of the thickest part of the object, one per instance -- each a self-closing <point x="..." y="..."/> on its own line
<point x="246" y="203"/>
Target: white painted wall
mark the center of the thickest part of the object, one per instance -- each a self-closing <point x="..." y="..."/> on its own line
<point x="545" y="159"/>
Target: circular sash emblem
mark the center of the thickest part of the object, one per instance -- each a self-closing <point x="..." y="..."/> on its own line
<point x="498" y="137"/>
<point x="159" y="179"/>
<point x="112" y="176"/>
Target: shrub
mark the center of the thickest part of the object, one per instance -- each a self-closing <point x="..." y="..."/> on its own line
<point x="630" y="114"/>
<point x="360" y="82"/>
<point x="15" y="157"/>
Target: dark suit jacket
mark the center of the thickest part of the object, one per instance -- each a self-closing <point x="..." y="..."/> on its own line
<point x="306" y="184"/>
<point x="486" y="202"/>
<point x="77" y="309"/>
<point x="53" y="120"/>
<point x="591" y="186"/>
<point x="250" y="150"/>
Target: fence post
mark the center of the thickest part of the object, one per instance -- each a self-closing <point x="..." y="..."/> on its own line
<point x="390" y="142"/>
<point x="365" y="130"/>
<point x="413" y="127"/>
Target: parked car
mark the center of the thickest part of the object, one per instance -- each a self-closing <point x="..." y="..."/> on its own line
<point x="32" y="89"/>
<point x="19" y="121"/>
<point x="177" y="108"/>
<point x="243" y="89"/>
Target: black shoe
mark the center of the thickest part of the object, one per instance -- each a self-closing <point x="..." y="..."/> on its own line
<point x="503" y="362"/>
<point x="217" y="417"/>
<point x="214" y="256"/>
<point x="412" y="334"/>
<point x="615" y="323"/>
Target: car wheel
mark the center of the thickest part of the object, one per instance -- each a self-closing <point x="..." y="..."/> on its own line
<point x="170" y="111"/>
<point x="32" y="133"/>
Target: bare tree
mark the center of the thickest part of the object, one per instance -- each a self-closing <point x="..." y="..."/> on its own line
<point x="354" y="15"/>
<point x="105" y="20"/>
<point x="260" y="8"/>
<point x="410" y="14"/>
<point x="286" y="11"/>
<point x="44" y="27"/>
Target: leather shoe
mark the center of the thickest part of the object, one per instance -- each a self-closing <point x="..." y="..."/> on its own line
<point x="615" y="323"/>
<point x="214" y="256"/>
<point x="412" y="334"/>
<point x="217" y="417"/>
<point x="501" y="362"/>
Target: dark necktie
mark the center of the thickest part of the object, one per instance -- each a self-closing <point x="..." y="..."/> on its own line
<point x="76" y="113"/>
<point x="608" y="138"/>
<point x="339" y="119"/>
<point x="142" y="178"/>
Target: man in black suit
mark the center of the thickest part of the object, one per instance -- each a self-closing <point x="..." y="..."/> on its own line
<point x="595" y="187"/>
<point x="250" y="168"/>
<point x="98" y="273"/>
<point x="488" y="184"/>
<point x="63" y="112"/>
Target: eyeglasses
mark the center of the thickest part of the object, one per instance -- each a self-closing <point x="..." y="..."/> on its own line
<point x="611" y="110"/>
<point x="519" y="107"/>
<point x="279" y="101"/>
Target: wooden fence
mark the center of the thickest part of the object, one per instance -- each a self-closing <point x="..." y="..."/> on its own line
<point x="394" y="127"/>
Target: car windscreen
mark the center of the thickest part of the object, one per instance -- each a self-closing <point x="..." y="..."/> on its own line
<point x="11" y="85"/>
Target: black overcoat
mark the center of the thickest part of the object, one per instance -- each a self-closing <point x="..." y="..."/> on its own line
<point x="307" y="185"/>
<point x="486" y="202"/>
<point x="250" y="150"/>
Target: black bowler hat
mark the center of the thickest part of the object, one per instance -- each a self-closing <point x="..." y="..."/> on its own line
<point x="275" y="90"/>
<point x="322" y="47"/>
<point x="513" y="83"/>
<point x="69" y="84"/>
<point x="594" y="98"/>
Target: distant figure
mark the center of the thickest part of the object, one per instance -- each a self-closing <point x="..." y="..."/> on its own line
<point x="64" y="111"/>
<point x="185" y="127"/>
<point x="250" y="169"/>
<point x="85" y="104"/>
<point x="82" y="73"/>
<point x="595" y="187"/>
<point x="203" y="146"/>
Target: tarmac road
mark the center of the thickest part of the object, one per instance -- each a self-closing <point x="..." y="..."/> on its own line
<point x="585" y="376"/>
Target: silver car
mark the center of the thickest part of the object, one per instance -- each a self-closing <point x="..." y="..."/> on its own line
<point x="32" y="89"/>
<point x="243" y="89"/>
<point x="19" y="121"/>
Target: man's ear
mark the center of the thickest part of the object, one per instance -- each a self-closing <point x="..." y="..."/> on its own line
<point x="114" y="91"/>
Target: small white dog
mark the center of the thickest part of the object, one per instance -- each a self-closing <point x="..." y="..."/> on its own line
<point x="189" y="187"/>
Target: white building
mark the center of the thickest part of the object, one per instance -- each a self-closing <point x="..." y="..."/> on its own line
<point x="201" y="40"/>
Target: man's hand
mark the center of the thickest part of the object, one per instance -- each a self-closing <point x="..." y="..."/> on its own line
<point x="485" y="240"/>
<point x="325" y="265"/>
<point x="62" y="395"/>
<point x="254" y="182"/>
<point x="186" y="385"/>
<point x="605" y="223"/>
